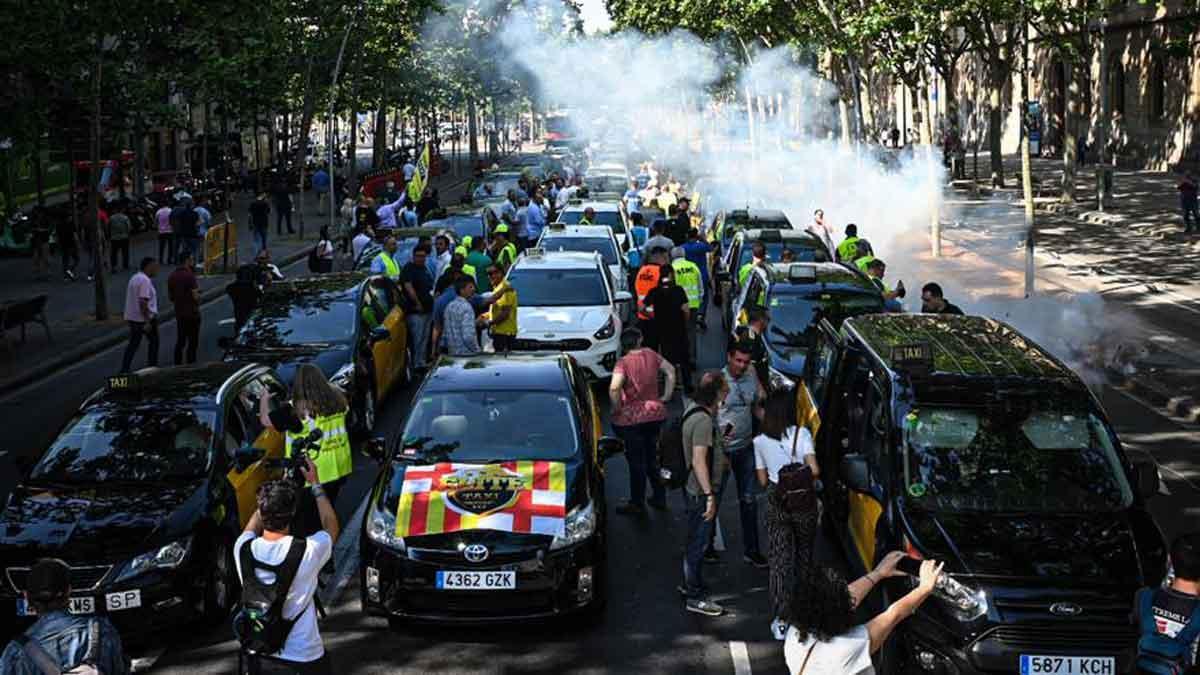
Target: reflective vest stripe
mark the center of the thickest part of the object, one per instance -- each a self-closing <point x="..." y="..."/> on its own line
<point x="333" y="460"/>
<point x="391" y="269"/>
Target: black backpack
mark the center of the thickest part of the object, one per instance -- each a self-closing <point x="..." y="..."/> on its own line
<point x="259" y="624"/>
<point x="672" y="456"/>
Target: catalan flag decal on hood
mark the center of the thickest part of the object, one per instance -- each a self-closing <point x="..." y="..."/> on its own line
<point x="525" y="496"/>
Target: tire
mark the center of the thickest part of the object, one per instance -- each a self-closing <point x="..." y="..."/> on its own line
<point x="221" y="589"/>
<point x="366" y="418"/>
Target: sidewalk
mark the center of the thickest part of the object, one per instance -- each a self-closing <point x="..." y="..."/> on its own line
<point x="1133" y="259"/>
<point x="71" y="305"/>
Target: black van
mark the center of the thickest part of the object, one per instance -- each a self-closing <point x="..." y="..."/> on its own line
<point x="959" y="439"/>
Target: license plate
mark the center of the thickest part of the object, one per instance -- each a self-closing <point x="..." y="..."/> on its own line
<point x="115" y="602"/>
<point x="476" y="581"/>
<point x="1068" y="665"/>
<point x="80" y="605"/>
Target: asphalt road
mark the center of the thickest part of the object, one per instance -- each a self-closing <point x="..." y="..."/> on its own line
<point x="644" y="629"/>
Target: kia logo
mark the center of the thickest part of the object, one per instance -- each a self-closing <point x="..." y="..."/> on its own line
<point x="477" y="553"/>
<point x="1065" y="609"/>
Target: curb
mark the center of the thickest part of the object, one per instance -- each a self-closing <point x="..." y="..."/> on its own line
<point x="1184" y="408"/>
<point x="103" y="342"/>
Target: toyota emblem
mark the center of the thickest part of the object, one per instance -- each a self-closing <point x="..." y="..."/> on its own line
<point x="475" y="553"/>
<point x="1065" y="609"/>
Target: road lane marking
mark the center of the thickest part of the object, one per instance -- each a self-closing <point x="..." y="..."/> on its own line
<point x="345" y="557"/>
<point x="741" y="658"/>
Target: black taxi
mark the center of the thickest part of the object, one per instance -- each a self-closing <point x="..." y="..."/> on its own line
<point x="490" y="506"/>
<point x="958" y="438"/>
<point x="143" y="494"/>
<point x="349" y="325"/>
<point x="797" y="297"/>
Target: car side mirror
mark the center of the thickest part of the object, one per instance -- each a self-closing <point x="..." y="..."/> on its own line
<point x="245" y="456"/>
<point x="610" y="446"/>
<point x="855" y="473"/>
<point x="225" y="342"/>
<point x="1145" y="473"/>
<point x="624" y="296"/>
<point x="379" y="334"/>
<point x="376" y="449"/>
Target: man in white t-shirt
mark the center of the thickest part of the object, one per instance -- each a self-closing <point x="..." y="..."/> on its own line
<point x="267" y="533"/>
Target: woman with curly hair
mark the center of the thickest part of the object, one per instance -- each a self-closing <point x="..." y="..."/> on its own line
<point x="823" y="638"/>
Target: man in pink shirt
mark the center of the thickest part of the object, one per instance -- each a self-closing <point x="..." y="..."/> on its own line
<point x="166" y="236"/>
<point x="141" y="313"/>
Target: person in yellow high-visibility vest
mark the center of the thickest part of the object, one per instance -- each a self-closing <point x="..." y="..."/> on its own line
<point x="687" y="277"/>
<point x="847" y="251"/>
<point x="385" y="263"/>
<point x="315" y="423"/>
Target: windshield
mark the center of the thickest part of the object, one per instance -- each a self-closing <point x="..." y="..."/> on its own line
<point x="558" y="288"/>
<point x="585" y="244"/>
<point x="312" y="320"/>
<point x="463" y="226"/>
<point x="130" y="443"/>
<point x="795" y="317"/>
<point x="609" y="218"/>
<point x="984" y="459"/>
<point x="485" y="426"/>
<point x="497" y="188"/>
<point x="606" y="183"/>
<point x="803" y="250"/>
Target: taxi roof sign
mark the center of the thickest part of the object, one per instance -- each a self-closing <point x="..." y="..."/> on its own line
<point x="535" y="253"/>
<point x="801" y="272"/>
<point x="125" y="383"/>
<point x="916" y="357"/>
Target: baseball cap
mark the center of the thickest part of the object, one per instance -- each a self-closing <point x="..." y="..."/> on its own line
<point x="677" y="253"/>
<point x="49" y="579"/>
<point x="500" y="229"/>
<point x="466" y="241"/>
<point x="461" y="250"/>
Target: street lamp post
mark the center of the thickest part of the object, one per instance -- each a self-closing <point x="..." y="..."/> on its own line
<point x="1100" y="30"/>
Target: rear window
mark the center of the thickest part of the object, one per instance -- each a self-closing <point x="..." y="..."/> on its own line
<point x="609" y="218"/>
<point x="583" y="244"/>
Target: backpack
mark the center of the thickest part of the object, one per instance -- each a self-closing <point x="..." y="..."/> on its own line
<point x="48" y="665"/>
<point x="1157" y="653"/>
<point x="259" y="624"/>
<point x="796" y="492"/>
<point x="672" y="456"/>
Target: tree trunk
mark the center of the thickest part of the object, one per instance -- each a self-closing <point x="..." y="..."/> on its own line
<point x="996" y="79"/>
<point x="39" y="178"/>
<point x="206" y="136"/>
<point x="258" y="163"/>
<point x="306" y="120"/>
<point x="272" y="142"/>
<point x="1071" y="126"/>
<point x="100" y="269"/>
<point x="494" y="137"/>
<point x="352" y="151"/>
<point x="286" y="142"/>
<point x="379" y="150"/>
<point x="473" y="132"/>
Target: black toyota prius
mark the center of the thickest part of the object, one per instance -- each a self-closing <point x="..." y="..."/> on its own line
<point x="490" y="506"/>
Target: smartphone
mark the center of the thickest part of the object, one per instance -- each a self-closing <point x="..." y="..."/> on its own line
<point x="728" y="429"/>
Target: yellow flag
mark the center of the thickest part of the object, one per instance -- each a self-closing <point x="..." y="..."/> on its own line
<point x="420" y="178"/>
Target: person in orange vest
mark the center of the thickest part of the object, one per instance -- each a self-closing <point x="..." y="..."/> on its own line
<point x="646" y="281"/>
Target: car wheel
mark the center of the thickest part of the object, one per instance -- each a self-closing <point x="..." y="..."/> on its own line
<point x="221" y="587"/>
<point x="366" y="420"/>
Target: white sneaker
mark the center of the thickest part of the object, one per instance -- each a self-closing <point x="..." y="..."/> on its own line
<point x="779" y="629"/>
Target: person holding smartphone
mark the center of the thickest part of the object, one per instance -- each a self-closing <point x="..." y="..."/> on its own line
<point x="824" y="637"/>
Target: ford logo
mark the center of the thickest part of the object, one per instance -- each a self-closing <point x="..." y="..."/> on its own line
<point x="1065" y="609"/>
<point x="477" y="553"/>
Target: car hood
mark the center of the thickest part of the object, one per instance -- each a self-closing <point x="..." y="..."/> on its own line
<point x="93" y="524"/>
<point x="1074" y="548"/>
<point x="539" y="322"/>
<point x="575" y="494"/>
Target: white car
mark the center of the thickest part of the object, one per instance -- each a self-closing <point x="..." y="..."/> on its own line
<point x="607" y="213"/>
<point x="567" y="302"/>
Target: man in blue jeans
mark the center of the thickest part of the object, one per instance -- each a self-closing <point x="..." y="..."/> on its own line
<point x="701" y="451"/>
<point x="741" y="406"/>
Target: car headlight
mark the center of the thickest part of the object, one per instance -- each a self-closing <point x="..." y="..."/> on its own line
<point x="580" y="524"/>
<point x="780" y="381"/>
<point x="964" y="602"/>
<point x="381" y="529"/>
<point x="165" y="558"/>
<point x="344" y="378"/>
<point x="609" y="330"/>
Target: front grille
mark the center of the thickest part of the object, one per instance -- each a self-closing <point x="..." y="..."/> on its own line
<point x="1051" y="637"/>
<point x="82" y="578"/>
<point x="524" y="560"/>
<point x="574" y="345"/>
